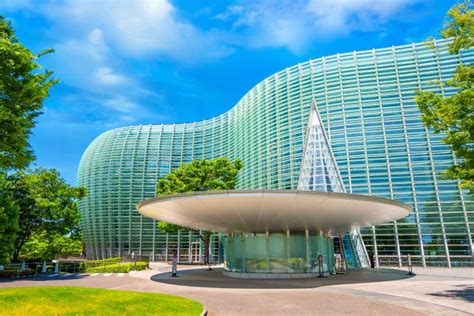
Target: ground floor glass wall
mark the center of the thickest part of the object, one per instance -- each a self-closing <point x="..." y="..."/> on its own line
<point x="278" y="253"/>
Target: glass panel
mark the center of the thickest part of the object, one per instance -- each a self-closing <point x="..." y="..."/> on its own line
<point x="319" y="246"/>
<point x="277" y="253"/>
<point x="234" y="254"/>
<point x="297" y="260"/>
<point x="256" y="254"/>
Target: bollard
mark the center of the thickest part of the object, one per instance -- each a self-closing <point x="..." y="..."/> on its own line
<point x="209" y="266"/>
<point x="133" y="261"/>
<point x="410" y="268"/>
<point x="44" y="267"/>
<point x="320" y="261"/>
<point x="174" y="264"/>
<point x="56" y="267"/>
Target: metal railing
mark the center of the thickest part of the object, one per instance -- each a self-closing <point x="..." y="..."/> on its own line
<point x="31" y="269"/>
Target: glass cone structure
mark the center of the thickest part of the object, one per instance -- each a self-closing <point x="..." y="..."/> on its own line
<point x="318" y="168"/>
<point x="319" y="172"/>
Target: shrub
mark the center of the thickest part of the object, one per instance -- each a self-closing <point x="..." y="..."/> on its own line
<point x="111" y="268"/>
<point x="123" y="267"/>
<point x="97" y="263"/>
<point x="16" y="273"/>
<point x="140" y="266"/>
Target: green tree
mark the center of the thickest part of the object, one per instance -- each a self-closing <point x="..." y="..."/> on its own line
<point x="459" y="25"/>
<point x="454" y="115"/>
<point x="47" y="206"/>
<point x="22" y="91"/>
<point x="199" y="175"/>
<point x="46" y="246"/>
<point x="8" y="221"/>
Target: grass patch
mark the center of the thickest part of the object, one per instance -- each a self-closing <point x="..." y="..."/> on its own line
<point x="69" y="300"/>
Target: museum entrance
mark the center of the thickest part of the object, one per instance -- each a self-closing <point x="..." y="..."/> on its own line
<point x="290" y="252"/>
<point x="196" y="253"/>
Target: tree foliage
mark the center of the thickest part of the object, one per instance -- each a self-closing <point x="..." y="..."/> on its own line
<point x="459" y="26"/>
<point x="199" y="175"/>
<point x="46" y="246"/>
<point x="22" y="91"/>
<point x="8" y="220"/>
<point x="37" y="208"/>
<point x="47" y="205"/>
<point x="454" y="115"/>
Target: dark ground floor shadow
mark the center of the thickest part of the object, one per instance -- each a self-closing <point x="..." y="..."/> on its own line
<point x="462" y="291"/>
<point x="215" y="279"/>
<point x="47" y="277"/>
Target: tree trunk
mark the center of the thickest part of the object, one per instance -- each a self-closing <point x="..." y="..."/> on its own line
<point x="18" y="247"/>
<point x="206" y="238"/>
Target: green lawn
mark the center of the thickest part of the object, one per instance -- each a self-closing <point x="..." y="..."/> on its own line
<point x="68" y="300"/>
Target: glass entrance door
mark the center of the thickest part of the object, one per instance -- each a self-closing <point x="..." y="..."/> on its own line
<point x="196" y="251"/>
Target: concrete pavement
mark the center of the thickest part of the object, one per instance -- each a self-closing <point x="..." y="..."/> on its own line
<point x="365" y="292"/>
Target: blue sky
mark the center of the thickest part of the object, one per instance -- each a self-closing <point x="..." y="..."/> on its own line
<point x="160" y="61"/>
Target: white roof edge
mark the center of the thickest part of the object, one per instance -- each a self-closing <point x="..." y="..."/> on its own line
<point x="250" y="191"/>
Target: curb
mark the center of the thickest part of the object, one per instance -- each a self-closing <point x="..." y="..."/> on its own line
<point x="19" y="277"/>
<point x="204" y="311"/>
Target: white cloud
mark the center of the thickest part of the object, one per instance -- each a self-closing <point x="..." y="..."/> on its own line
<point x="121" y="104"/>
<point x="139" y="28"/>
<point x="89" y="58"/>
<point x="104" y="91"/>
<point x="243" y="15"/>
<point x="155" y="29"/>
<point x="88" y="64"/>
<point x="106" y="76"/>
<point x="97" y="39"/>
<point x="296" y="24"/>
<point x="91" y="47"/>
<point x="351" y="15"/>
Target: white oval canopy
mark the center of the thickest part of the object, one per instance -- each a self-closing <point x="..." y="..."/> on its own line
<point x="272" y="210"/>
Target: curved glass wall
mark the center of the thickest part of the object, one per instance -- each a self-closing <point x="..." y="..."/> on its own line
<point x="278" y="253"/>
<point x="381" y="147"/>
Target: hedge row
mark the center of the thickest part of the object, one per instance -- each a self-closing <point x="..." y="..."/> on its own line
<point x="118" y="268"/>
<point x="95" y="263"/>
<point x="111" y="265"/>
<point x="16" y="273"/>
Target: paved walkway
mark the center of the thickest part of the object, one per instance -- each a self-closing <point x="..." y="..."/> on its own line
<point x="365" y="292"/>
<point x="80" y="275"/>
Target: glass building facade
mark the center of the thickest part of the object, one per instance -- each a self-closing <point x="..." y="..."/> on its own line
<point x="366" y="103"/>
<point x="279" y="253"/>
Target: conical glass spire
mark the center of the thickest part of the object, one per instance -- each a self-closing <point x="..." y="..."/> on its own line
<point x="318" y="168"/>
<point x="319" y="173"/>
